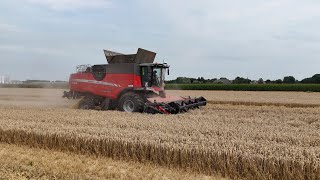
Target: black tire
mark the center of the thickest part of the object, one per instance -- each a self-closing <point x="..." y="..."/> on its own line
<point x="131" y="102"/>
<point x="86" y="104"/>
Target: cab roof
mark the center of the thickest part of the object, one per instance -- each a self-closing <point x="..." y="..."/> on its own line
<point x="164" y="65"/>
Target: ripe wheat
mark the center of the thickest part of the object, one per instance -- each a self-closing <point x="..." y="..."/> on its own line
<point x="235" y="141"/>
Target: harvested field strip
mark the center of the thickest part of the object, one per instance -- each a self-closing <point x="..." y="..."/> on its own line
<point x="235" y="141"/>
<point x="289" y="105"/>
<point x="254" y="96"/>
<point x="212" y="163"/>
<point x="247" y="87"/>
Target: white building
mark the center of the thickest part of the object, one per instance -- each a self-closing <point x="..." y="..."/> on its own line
<point x="4" y="79"/>
<point x="1" y="79"/>
<point x="16" y="82"/>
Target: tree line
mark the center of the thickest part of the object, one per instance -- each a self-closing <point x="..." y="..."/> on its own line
<point x="315" y="79"/>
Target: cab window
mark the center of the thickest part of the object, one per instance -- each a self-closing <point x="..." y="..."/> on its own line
<point x="146" y="73"/>
<point x="156" y="79"/>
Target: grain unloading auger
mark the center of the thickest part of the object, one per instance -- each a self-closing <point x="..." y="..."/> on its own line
<point x="131" y="83"/>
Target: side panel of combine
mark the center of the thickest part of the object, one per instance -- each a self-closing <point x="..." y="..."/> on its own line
<point x="117" y="77"/>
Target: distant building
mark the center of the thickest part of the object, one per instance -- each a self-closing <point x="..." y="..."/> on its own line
<point x="222" y="81"/>
<point x="16" y="82"/>
<point x="36" y="81"/>
<point x="4" y="79"/>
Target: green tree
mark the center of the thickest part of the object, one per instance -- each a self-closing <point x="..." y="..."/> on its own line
<point x="268" y="81"/>
<point x="183" y="80"/>
<point x="278" y="81"/>
<point x="289" y="80"/>
<point x="240" y="80"/>
<point x="315" y="79"/>
<point x="260" y="81"/>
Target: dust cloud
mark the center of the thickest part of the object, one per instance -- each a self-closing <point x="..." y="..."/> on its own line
<point x="35" y="97"/>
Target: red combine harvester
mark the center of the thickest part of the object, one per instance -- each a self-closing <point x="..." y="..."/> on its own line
<point x="131" y="83"/>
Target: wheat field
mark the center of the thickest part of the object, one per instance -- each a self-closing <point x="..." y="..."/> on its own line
<point x="234" y="141"/>
<point x="22" y="162"/>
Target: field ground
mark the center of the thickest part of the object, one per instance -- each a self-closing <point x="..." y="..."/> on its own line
<point x="22" y="162"/>
<point x="256" y="97"/>
<point x="237" y="141"/>
<point x="33" y="97"/>
<point x="51" y="97"/>
<point x="247" y="87"/>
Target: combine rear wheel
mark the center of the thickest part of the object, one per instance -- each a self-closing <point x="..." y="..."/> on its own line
<point x="131" y="102"/>
<point x="86" y="103"/>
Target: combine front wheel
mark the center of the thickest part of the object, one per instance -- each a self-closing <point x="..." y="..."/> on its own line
<point x="131" y="102"/>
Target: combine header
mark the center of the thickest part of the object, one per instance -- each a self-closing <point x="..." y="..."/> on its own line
<point x="131" y="83"/>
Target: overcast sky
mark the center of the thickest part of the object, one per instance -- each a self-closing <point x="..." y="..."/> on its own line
<point x="46" y="39"/>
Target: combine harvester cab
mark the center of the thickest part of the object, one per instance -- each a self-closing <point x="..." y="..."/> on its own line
<point x="129" y="82"/>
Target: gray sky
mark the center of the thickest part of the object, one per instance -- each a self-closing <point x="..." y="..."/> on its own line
<point x="46" y="39"/>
